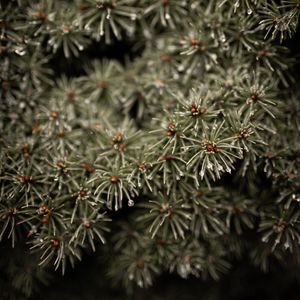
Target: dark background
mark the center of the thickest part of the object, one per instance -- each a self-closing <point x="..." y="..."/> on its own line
<point x="243" y="282"/>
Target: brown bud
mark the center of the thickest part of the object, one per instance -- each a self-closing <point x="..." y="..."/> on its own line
<point x="114" y="179"/>
<point x="43" y="210"/>
<point x="254" y="97"/>
<point x="165" y="57"/>
<point x="71" y="95"/>
<point x="5" y="85"/>
<point x="86" y="223"/>
<point x="3" y="50"/>
<point x="9" y="213"/>
<point x="82" y="193"/>
<point x="25" y="178"/>
<point x="194" y="42"/>
<point x="210" y="147"/>
<point x="140" y="264"/>
<point x="199" y="194"/>
<point x="203" y="110"/>
<point x="83" y="7"/>
<point x="61" y="164"/>
<point x="280" y="226"/>
<point x="53" y="114"/>
<point x="60" y="133"/>
<point x="262" y="53"/>
<point x="164" y="207"/>
<point x="202" y="50"/>
<point x="238" y="35"/>
<point x="39" y="14"/>
<point x="35" y="129"/>
<point x="141" y="166"/>
<point x="87" y="167"/>
<point x="171" y="126"/>
<point x="164" y="158"/>
<point x="194" y="109"/>
<point x="55" y="243"/>
<point x="160" y="242"/>
<point x="66" y="28"/>
<point x="117" y="137"/>
<point x="209" y="211"/>
<point x="25" y="151"/>
<point x="45" y="219"/>
<point x="122" y="147"/>
<point x="236" y="210"/>
<point x="102" y="84"/>
<point x="187" y="258"/>
<point x="2" y="23"/>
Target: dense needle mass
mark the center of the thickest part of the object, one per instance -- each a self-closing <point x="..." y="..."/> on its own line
<point x="164" y="159"/>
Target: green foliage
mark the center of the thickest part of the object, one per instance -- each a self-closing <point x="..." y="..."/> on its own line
<point x="200" y="130"/>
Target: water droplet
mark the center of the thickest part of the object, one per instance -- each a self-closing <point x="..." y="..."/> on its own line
<point x="202" y="174"/>
<point x="176" y="76"/>
<point x="209" y="165"/>
<point x="130" y="203"/>
<point x="140" y="283"/>
<point x="180" y="68"/>
<point x="20" y="51"/>
<point x="222" y="37"/>
<point x="220" y="168"/>
<point x="214" y="57"/>
<point x="194" y="6"/>
<point x="249" y="11"/>
<point x="207" y="66"/>
<point x="225" y="47"/>
<point x="147" y="33"/>
<point x="133" y="17"/>
<point x="167" y="16"/>
<point x="101" y="32"/>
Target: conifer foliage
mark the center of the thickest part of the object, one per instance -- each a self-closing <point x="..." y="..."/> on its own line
<point x="163" y="159"/>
